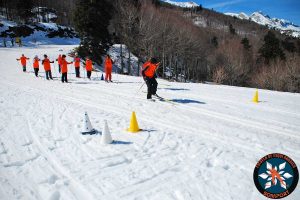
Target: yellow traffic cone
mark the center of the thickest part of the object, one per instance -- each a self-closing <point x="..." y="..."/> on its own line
<point x="255" y="98"/>
<point x="134" y="127"/>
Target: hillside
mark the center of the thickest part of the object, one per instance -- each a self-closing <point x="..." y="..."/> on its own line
<point x="201" y="144"/>
<point x="36" y="33"/>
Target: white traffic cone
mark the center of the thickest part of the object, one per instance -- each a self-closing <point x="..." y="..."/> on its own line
<point x="106" y="137"/>
<point x="87" y="126"/>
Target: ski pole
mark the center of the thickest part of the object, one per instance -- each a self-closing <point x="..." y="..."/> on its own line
<point x="140" y="88"/>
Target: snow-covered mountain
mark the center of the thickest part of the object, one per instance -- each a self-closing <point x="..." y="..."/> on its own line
<point x="187" y="4"/>
<point x="282" y="25"/>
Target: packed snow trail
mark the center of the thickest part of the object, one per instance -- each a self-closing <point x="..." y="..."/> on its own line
<point x="203" y="145"/>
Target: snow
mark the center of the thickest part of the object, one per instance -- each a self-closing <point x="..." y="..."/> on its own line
<point x="202" y="144"/>
<point x="38" y="37"/>
<point x="188" y="4"/>
<point x="280" y="24"/>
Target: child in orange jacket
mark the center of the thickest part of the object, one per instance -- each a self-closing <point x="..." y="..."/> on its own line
<point x="64" y="69"/>
<point x="108" y="64"/>
<point x="88" y="67"/>
<point x="59" y="62"/>
<point x="36" y="65"/>
<point x="23" y="60"/>
<point x="77" y="65"/>
<point x="46" y="62"/>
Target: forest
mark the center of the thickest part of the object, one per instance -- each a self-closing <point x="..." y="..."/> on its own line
<point x="193" y="45"/>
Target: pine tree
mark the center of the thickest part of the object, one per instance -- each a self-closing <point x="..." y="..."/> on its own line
<point x="91" y="20"/>
<point x="24" y="8"/>
<point x="288" y="45"/>
<point x="245" y="43"/>
<point x="214" y="41"/>
<point x="271" y="48"/>
<point x="231" y="29"/>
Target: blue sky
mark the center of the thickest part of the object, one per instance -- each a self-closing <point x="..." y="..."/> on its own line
<point x="283" y="9"/>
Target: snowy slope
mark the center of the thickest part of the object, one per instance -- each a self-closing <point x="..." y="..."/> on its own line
<point x="282" y="25"/>
<point x="204" y="144"/>
<point x="187" y="4"/>
<point x="38" y="37"/>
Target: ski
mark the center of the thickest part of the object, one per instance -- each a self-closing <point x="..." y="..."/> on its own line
<point x="164" y="99"/>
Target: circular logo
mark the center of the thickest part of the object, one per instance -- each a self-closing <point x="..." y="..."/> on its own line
<point x="276" y="176"/>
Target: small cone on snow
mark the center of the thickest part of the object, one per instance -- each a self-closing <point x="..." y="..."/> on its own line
<point x="102" y="77"/>
<point x="133" y="127"/>
<point x="255" y="98"/>
<point x="87" y="126"/>
<point x="106" y="137"/>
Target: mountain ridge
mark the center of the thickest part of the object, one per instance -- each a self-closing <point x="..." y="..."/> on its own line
<point x="283" y="25"/>
<point x="184" y="4"/>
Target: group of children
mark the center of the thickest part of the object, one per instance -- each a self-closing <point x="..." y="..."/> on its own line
<point x="148" y="72"/>
<point x="63" y="66"/>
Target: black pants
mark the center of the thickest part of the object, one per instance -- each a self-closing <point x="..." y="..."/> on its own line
<point x="89" y="73"/>
<point x="24" y="68"/>
<point x="59" y="68"/>
<point x="36" y="71"/>
<point x="152" y="86"/>
<point x="64" y="77"/>
<point x="77" y="72"/>
<point x="49" y="75"/>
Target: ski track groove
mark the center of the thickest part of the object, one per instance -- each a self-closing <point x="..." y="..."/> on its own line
<point x="60" y="169"/>
<point x="170" y="125"/>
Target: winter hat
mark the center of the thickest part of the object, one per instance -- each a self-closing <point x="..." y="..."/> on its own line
<point x="153" y="60"/>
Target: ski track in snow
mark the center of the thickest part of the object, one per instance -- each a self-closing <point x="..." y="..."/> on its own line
<point x="203" y="145"/>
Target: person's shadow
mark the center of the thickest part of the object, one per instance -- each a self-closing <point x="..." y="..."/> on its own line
<point x="185" y="101"/>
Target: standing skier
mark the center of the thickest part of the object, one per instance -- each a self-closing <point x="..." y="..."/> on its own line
<point x="23" y="61"/>
<point x="108" y="63"/>
<point x="149" y="75"/>
<point x="36" y="65"/>
<point x="88" y="67"/>
<point x="64" y="69"/>
<point x="59" y="62"/>
<point x="46" y="62"/>
<point x="77" y="65"/>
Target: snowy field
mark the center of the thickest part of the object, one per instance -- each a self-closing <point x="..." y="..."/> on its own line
<point x="204" y="144"/>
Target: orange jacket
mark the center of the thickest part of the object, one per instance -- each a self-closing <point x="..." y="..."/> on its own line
<point x="64" y="65"/>
<point x="77" y="62"/>
<point x="108" y="63"/>
<point x="36" y="63"/>
<point x="59" y="59"/>
<point x="88" y="65"/>
<point x="149" y="69"/>
<point x="46" y="63"/>
<point x="23" y="60"/>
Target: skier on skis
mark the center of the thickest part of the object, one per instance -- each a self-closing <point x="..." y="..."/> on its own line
<point x="108" y="64"/>
<point x="77" y="65"/>
<point x="59" y="62"/>
<point x="149" y="75"/>
<point x="36" y="65"/>
<point x="64" y="69"/>
<point x="88" y="67"/>
<point x="23" y="61"/>
<point x="46" y="62"/>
